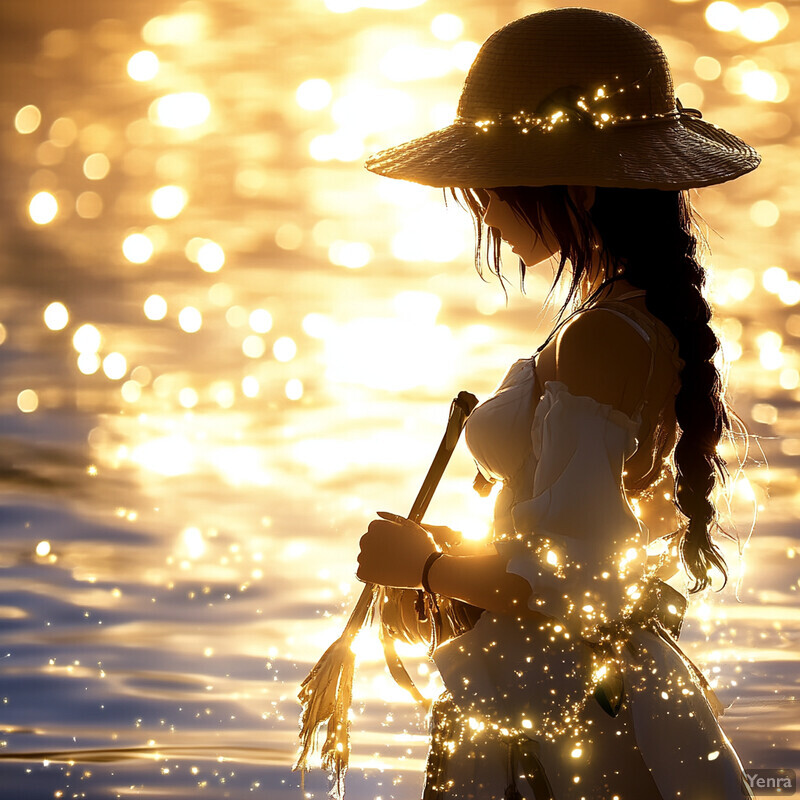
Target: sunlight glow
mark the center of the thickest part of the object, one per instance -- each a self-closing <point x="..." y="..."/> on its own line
<point x="181" y="110"/>
<point x="27" y="119"/>
<point x="193" y="542"/>
<point x="254" y="346"/>
<point x="168" y="201"/>
<point x="250" y="386"/>
<point x="260" y="320"/>
<point x="447" y="27"/>
<point x="190" y="319"/>
<point x="137" y="248"/>
<point x="155" y="307"/>
<point x="27" y="401"/>
<point x="43" y="208"/>
<point x="96" y="166"/>
<point x="56" y="316"/>
<point x="115" y="366"/>
<point x="774" y="279"/>
<point x="86" y="339"/>
<point x="88" y="363"/>
<point x="167" y="455"/>
<point x="143" y="66"/>
<point x="314" y="94"/>
<point x="294" y="389"/>
<point x="284" y="349"/>
<point x="758" y="24"/>
<point x="352" y="255"/>
<point x="723" y="16"/>
<point x="210" y="257"/>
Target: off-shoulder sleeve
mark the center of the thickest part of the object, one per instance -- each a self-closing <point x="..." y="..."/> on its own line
<point x="578" y="542"/>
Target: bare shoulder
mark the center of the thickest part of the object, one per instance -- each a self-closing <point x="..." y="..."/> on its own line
<point x="602" y="356"/>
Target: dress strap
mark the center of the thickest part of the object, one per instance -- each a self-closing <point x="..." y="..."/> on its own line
<point x="649" y="337"/>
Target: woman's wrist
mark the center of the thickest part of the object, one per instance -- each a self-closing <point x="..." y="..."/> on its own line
<point x="426" y="570"/>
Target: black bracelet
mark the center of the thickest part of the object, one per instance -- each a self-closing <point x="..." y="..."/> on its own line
<point x="432" y="558"/>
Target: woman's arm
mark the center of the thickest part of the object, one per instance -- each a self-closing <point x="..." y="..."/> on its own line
<point x="394" y="552"/>
<point x="481" y="581"/>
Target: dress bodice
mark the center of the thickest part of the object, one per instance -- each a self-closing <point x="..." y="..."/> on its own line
<point x="501" y="431"/>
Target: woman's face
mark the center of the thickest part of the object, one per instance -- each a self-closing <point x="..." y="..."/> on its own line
<point x="524" y="241"/>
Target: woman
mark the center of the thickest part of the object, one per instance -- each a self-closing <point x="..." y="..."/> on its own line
<point x="569" y="142"/>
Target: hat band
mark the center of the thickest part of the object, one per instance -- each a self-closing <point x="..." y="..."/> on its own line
<point x="579" y="112"/>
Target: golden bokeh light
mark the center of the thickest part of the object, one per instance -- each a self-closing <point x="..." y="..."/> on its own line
<point x="87" y="339"/>
<point x="193" y="542"/>
<point x="143" y="66"/>
<point x="774" y="279"/>
<point x="250" y="386"/>
<point x="89" y="205"/>
<point x="188" y="397"/>
<point x="224" y="394"/>
<point x="88" y="363"/>
<point x="180" y="110"/>
<point x="137" y="248"/>
<point x="236" y="317"/>
<point x="184" y="28"/>
<point x="294" y="389"/>
<point x="155" y="307"/>
<point x="96" y="166"/>
<point x="166" y="455"/>
<point x="723" y="16"/>
<point x="447" y="27"/>
<point x="43" y="549"/>
<point x="314" y="94"/>
<point x="27" y="119"/>
<point x="413" y="63"/>
<point x="190" y="319"/>
<point x="789" y="293"/>
<point x="760" y="85"/>
<point x="115" y="366"/>
<point x="260" y="320"/>
<point x="131" y="391"/>
<point x="254" y="346"/>
<point x="3" y="333"/>
<point x="27" y="401"/>
<point x="759" y="24"/>
<point x="352" y="255"/>
<point x="210" y="257"/>
<point x="56" y="316"/>
<point x="284" y="349"/>
<point x="168" y="201"/>
<point x="340" y="146"/>
<point x="318" y="326"/>
<point x="63" y="132"/>
<point x="789" y="379"/>
<point x="764" y="213"/>
<point x="289" y="236"/>
<point x="43" y="208"/>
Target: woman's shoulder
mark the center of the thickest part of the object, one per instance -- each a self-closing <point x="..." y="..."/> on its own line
<point x="600" y="355"/>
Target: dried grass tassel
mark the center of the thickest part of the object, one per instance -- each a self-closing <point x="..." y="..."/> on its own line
<point x="327" y="691"/>
<point x="326" y="694"/>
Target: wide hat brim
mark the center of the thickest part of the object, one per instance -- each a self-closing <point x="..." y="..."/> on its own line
<point x="668" y="154"/>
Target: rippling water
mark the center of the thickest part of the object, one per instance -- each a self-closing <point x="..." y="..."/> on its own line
<point x="179" y="527"/>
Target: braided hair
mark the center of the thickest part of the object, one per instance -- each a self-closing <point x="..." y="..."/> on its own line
<point x="647" y="237"/>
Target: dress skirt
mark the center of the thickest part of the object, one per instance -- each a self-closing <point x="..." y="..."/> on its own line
<point x="513" y="726"/>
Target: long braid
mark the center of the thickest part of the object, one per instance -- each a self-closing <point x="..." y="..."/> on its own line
<point x="659" y="249"/>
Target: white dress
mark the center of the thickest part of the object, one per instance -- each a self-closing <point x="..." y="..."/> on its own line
<point x="519" y="718"/>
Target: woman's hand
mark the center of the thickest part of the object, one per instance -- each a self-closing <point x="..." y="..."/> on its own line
<point x="393" y="552"/>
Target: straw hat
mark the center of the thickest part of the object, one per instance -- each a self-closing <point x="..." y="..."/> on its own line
<point x="570" y="96"/>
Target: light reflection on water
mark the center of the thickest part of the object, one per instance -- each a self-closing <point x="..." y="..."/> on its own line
<point x="202" y="498"/>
